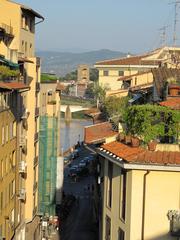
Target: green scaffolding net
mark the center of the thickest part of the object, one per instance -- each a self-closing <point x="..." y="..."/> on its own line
<point x="47" y="164"/>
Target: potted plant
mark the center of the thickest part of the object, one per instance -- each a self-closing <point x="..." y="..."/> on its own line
<point x="174" y="90"/>
<point x="127" y="139"/>
<point x="152" y="145"/>
<point x="135" y="141"/>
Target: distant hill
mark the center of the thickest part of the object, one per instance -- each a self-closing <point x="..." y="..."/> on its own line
<point x="61" y="63"/>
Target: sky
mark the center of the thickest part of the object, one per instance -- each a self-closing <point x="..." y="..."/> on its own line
<point x="85" y="25"/>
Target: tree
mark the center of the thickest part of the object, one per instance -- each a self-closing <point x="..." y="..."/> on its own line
<point x="93" y="74"/>
<point x="115" y="107"/>
<point x="99" y="93"/>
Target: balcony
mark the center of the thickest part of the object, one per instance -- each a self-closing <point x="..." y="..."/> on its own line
<point x="38" y="61"/>
<point x="37" y="86"/>
<point x="25" y="124"/>
<point x="22" y="141"/>
<point x="36" y="137"/>
<point x="22" y="167"/>
<point x="36" y="112"/>
<point x="6" y="31"/>
<point x="36" y="161"/>
<point x="25" y="114"/>
<point x="34" y="211"/>
<point x="22" y="194"/>
<point x="35" y="187"/>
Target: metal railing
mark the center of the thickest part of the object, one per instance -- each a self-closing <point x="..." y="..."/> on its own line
<point x="8" y="29"/>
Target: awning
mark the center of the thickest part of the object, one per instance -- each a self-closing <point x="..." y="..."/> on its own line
<point x="9" y="63"/>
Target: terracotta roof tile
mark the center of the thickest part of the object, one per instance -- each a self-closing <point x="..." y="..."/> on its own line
<point x="141" y="155"/>
<point x="98" y="132"/>
<point x="173" y="103"/>
<point x="134" y="60"/>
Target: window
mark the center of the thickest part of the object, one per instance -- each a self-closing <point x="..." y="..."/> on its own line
<point x="10" y="130"/>
<point x="108" y="228"/>
<point x="6" y="165"/>
<point x="2" y="169"/>
<point x="109" y="184"/>
<point x="22" y="46"/>
<point x="135" y="80"/>
<point x="106" y="73"/>
<point x="12" y="189"/>
<point x="14" y="129"/>
<point x="121" y="73"/>
<point x="3" y="136"/>
<point x="123" y="195"/>
<point x="26" y="23"/>
<point x="1" y="201"/>
<point x="25" y="48"/>
<point x="13" y="158"/>
<point x="121" y="234"/>
<point x="31" y="25"/>
<point x="7" y="133"/>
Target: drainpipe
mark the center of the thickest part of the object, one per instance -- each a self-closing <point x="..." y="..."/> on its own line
<point x="144" y="204"/>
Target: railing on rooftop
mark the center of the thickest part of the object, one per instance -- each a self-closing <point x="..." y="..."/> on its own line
<point x="8" y="29"/>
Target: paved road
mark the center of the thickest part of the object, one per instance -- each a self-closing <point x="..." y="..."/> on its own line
<point x="79" y="224"/>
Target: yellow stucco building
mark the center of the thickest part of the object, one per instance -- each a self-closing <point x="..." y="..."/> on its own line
<point x="134" y="70"/>
<point x="139" y="190"/>
<point x="17" y="50"/>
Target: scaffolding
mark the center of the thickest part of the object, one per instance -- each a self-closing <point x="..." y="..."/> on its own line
<point x="47" y="164"/>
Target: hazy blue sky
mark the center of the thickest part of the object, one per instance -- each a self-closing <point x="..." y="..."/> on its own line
<point x="129" y="25"/>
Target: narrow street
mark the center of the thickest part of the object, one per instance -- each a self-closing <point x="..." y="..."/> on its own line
<point x="79" y="224"/>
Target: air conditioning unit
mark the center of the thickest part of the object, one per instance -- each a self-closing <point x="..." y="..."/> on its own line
<point x="22" y="167"/>
<point x="22" y="194"/>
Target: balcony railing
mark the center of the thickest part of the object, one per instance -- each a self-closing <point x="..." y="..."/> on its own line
<point x="36" y="112"/>
<point x="34" y="211"/>
<point x="22" y="167"/>
<point x="36" y="137"/>
<point x="35" y="187"/>
<point x="7" y="29"/>
<point x="38" y="61"/>
<point x="35" y="160"/>
<point x="22" y="194"/>
<point x="37" y="86"/>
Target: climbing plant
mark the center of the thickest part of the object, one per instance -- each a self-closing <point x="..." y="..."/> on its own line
<point x="150" y="122"/>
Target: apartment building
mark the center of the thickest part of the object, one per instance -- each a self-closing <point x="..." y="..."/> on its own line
<point x="137" y="189"/>
<point x="50" y="161"/>
<point x="140" y="191"/>
<point x="9" y="167"/>
<point x="17" y="33"/>
<point x="118" y="75"/>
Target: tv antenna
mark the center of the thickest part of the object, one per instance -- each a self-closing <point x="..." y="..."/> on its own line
<point x="176" y="6"/>
<point x="163" y="35"/>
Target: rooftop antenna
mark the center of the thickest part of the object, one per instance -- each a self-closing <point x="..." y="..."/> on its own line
<point x="163" y="35"/>
<point x="176" y="5"/>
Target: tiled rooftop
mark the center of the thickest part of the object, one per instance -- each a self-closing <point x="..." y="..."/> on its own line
<point x="134" y="60"/>
<point x="173" y="103"/>
<point x="98" y="132"/>
<point x="141" y="155"/>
